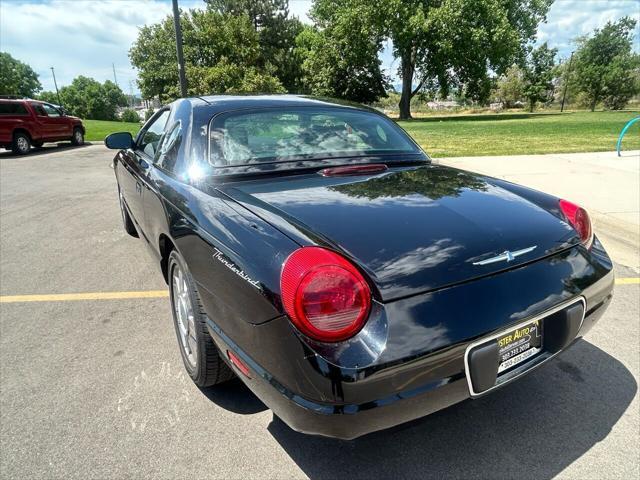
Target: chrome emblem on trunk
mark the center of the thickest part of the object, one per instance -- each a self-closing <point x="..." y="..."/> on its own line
<point x="507" y="256"/>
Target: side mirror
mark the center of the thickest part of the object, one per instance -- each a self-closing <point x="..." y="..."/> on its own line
<point x="119" y="141"/>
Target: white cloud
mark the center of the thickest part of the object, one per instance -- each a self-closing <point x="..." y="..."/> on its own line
<point x="79" y="37"/>
<point x="569" y="19"/>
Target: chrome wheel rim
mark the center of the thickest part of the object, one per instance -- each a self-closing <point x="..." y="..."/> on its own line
<point x="23" y="144"/>
<point x="79" y="136"/>
<point x="184" y="316"/>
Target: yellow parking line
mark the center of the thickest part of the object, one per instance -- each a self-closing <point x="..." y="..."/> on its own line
<point x="65" y="297"/>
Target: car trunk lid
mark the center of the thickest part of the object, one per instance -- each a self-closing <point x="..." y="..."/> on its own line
<point x="412" y="229"/>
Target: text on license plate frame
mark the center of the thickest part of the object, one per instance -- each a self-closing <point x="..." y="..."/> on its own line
<point x="519" y="345"/>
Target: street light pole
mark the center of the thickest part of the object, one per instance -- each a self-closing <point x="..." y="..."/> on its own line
<point x="566" y="82"/>
<point x="56" y="84"/>
<point x="176" y="23"/>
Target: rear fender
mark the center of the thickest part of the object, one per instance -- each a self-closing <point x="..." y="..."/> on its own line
<point x="234" y="256"/>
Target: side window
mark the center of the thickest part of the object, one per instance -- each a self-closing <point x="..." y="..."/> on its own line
<point x="167" y="154"/>
<point x="12" y="109"/>
<point x="39" y="110"/>
<point x="151" y="137"/>
<point x="51" y="111"/>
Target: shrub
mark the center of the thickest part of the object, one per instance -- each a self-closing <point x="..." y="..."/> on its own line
<point x="129" y="115"/>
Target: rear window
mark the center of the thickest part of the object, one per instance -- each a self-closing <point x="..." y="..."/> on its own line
<point x="10" y="108"/>
<point x="280" y="135"/>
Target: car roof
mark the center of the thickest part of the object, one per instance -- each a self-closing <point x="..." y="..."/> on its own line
<point x="221" y="103"/>
<point x="16" y="100"/>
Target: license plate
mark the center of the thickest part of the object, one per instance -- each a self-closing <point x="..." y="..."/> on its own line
<point x="519" y="345"/>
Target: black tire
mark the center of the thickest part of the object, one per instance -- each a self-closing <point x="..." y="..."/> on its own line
<point x="209" y="368"/>
<point x="21" y="143"/>
<point x="129" y="227"/>
<point x="77" y="138"/>
<point x="38" y="143"/>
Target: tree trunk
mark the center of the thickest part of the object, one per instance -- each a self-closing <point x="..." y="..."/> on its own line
<point x="596" y="98"/>
<point x="407" y="81"/>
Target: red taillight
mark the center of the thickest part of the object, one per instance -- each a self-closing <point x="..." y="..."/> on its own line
<point x="579" y="220"/>
<point x="325" y="296"/>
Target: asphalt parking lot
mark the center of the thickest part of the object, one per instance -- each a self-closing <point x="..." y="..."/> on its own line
<point x="94" y="388"/>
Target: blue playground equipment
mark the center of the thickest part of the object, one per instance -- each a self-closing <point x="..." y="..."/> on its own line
<point x="624" y="130"/>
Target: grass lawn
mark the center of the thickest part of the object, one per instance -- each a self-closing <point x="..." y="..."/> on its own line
<point x="490" y="134"/>
<point x="98" y="129"/>
<point x="522" y="133"/>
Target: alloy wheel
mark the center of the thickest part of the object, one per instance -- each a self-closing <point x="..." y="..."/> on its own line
<point x="183" y="310"/>
<point x="23" y="144"/>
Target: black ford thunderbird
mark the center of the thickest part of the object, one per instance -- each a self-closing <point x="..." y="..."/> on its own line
<point x="314" y="250"/>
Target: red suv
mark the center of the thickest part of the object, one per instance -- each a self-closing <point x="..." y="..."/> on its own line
<point x="26" y="122"/>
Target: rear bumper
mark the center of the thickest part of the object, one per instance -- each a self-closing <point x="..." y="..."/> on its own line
<point x="348" y="421"/>
<point x="409" y="360"/>
<point x="339" y="420"/>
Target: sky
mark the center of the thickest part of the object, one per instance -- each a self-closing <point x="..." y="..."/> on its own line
<point x="91" y="37"/>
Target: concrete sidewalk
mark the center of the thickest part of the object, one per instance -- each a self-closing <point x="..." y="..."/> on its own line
<point x="608" y="186"/>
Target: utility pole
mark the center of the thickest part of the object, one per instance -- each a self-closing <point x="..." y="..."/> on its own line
<point x="131" y="92"/>
<point x="176" y="23"/>
<point x="115" y="79"/>
<point x="566" y="82"/>
<point x="56" y="84"/>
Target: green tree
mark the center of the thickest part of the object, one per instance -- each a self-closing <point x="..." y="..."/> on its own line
<point x="338" y="61"/>
<point x="153" y="54"/>
<point x="510" y="87"/>
<point x="276" y="31"/>
<point x="88" y="98"/>
<point x="450" y="43"/>
<point x="622" y="81"/>
<point x="17" y="78"/>
<point x="256" y="81"/>
<point x="227" y="77"/>
<point x="130" y="115"/>
<point x="262" y="13"/>
<point x="222" y="54"/>
<point x="50" y="97"/>
<point x="114" y="97"/>
<point x="565" y="82"/>
<point x="605" y="65"/>
<point x="539" y="75"/>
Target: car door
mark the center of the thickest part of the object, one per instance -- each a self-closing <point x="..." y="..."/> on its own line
<point x="163" y="183"/>
<point x="46" y="129"/>
<point x="56" y="123"/>
<point x="134" y="176"/>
